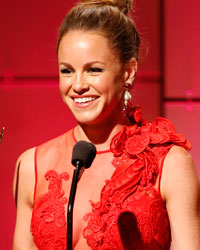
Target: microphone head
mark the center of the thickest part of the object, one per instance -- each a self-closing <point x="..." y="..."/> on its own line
<point x="84" y="152"/>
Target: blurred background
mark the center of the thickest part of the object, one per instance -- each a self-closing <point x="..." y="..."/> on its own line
<point x="30" y="105"/>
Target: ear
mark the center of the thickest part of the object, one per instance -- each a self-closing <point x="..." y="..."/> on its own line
<point x="130" y="71"/>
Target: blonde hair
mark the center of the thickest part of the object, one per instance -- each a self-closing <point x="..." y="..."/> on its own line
<point x="111" y="18"/>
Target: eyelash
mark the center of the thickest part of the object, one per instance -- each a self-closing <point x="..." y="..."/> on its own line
<point x="66" y="71"/>
<point x="92" y="70"/>
<point x="95" y="70"/>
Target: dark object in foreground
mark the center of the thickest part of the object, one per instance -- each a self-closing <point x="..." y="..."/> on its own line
<point x="82" y="157"/>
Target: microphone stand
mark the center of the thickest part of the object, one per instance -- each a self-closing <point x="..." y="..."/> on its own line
<point x="82" y="156"/>
<point x="75" y="179"/>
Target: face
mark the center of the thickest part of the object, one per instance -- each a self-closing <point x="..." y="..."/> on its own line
<point x="91" y="77"/>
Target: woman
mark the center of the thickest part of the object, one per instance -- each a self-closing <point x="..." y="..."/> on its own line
<point x="142" y="188"/>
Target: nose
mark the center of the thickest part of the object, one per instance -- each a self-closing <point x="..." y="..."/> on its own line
<point x="80" y="84"/>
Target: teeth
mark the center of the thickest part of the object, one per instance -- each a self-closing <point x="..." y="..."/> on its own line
<point x="84" y="99"/>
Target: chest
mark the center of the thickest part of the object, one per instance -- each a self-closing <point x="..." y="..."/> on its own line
<point x="102" y="222"/>
<point x="52" y="194"/>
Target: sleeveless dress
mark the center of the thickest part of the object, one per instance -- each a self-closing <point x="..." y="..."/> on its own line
<point x="130" y="213"/>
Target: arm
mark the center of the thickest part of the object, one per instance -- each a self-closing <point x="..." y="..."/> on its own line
<point x="23" y="188"/>
<point x="181" y="190"/>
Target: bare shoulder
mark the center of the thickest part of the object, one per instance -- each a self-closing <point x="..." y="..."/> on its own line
<point x="179" y="153"/>
<point x="23" y="188"/>
<point x="24" y="177"/>
<point x="181" y="190"/>
<point x="179" y="173"/>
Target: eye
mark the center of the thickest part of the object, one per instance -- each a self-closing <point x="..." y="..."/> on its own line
<point x="66" y="71"/>
<point x="95" y="70"/>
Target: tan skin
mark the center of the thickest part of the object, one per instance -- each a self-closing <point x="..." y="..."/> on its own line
<point x="87" y="71"/>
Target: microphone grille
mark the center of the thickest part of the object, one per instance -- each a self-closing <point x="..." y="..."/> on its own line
<point x="84" y="152"/>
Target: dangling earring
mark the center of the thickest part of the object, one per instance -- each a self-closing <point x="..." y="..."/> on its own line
<point x="127" y="96"/>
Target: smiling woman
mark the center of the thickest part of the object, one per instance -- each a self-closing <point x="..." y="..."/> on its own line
<point x="91" y="78"/>
<point x="142" y="189"/>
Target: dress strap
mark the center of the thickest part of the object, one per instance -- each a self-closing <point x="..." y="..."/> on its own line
<point x="17" y="183"/>
<point x="36" y="173"/>
<point x="161" y="167"/>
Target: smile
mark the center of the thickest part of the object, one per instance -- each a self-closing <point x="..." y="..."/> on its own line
<point x="84" y="99"/>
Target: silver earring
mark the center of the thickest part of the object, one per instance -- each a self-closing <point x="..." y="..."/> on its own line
<point x="127" y="95"/>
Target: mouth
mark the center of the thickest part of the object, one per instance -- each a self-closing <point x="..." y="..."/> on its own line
<point x="81" y="100"/>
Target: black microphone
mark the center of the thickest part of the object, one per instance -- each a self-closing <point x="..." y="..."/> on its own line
<point x="82" y="157"/>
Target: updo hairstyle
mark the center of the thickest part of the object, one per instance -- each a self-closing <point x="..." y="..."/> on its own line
<point x="109" y="17"/>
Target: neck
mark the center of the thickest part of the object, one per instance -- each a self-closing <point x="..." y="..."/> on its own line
<point x="102" y="133"/>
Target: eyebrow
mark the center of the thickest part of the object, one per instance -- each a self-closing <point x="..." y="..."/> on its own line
<point x="87" y="64"/>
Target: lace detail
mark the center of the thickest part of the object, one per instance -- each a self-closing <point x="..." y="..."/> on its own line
<point x="48" y="223"/>
<point x="131" y="213"/>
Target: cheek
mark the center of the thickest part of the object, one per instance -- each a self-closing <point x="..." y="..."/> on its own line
<point x="64" y="86"/>
<point x="114" y="92"/>
<point x="116" y="87"/>
<point x="111" y="84"/>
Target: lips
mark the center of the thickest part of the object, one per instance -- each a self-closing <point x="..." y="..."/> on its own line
<point x="84" y="99"/>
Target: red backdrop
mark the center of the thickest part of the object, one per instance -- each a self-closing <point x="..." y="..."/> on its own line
<point x="30" y="105"/>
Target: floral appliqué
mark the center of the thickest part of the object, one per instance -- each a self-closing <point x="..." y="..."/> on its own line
<point x="131" y="213"/>
<point x="48" y="223"/>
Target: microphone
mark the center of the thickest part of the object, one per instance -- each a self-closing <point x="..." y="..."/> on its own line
<point x="82" y="157"/>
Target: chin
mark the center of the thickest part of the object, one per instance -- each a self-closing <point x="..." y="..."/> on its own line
<point x="89" y="120"/>
<point x="84" y="119"/>
<point x="99" y="115"/>
<point x="88" y="117"/>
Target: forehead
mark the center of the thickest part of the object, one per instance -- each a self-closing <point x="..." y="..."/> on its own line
<point x="89" y="43"/>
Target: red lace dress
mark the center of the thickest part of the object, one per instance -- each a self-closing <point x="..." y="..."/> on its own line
<point x="131" y="213"/>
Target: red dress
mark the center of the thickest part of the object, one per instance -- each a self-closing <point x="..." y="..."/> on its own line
<point x="131" y="213"/>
